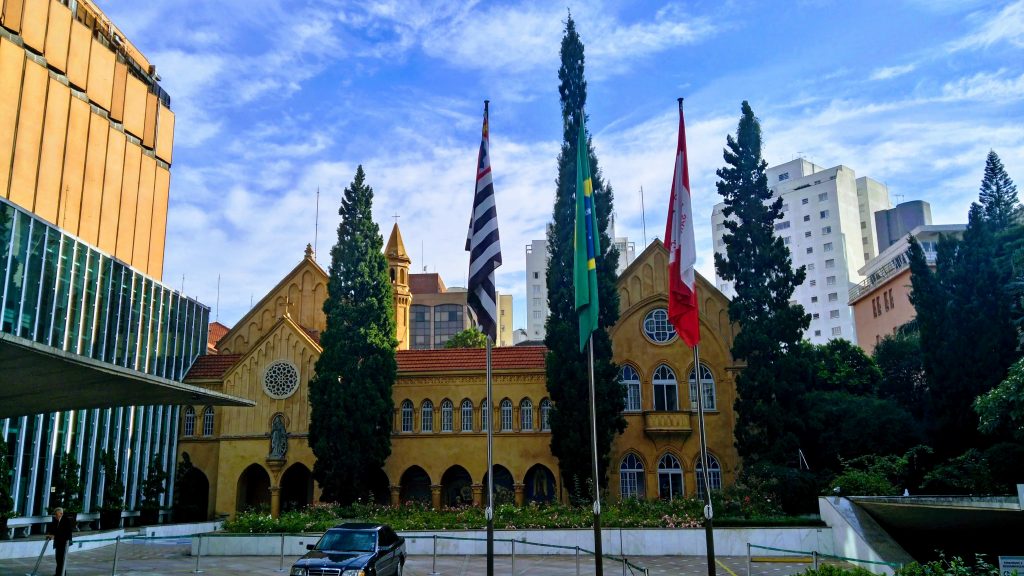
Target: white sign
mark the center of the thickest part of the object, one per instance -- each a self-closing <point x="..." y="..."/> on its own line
<point x="1008" y="565"/>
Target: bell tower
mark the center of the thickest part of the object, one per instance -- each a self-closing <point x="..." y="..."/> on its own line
<point x="398" y="271"/>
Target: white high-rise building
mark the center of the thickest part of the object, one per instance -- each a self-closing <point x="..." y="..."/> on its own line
<point x="536" y="288"/>
<point x="829" y="227"/>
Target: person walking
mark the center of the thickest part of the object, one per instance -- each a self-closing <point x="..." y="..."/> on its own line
<point x="60" y="532"/>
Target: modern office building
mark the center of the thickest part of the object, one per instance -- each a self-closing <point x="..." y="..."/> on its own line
<point x="895" y="223"/>
<point x="881" y="302"/>
<point x="505" y="317"/>
<point x="829" y="227"/>
<point x="536" y="289"/>
<point x="92" y="345"/>
<point x="437" y="312"/>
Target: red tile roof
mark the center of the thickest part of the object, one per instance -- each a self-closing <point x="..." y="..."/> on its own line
<point x="427" y="283"/>
<point x="215" y="332"/>
<point x="459" y="359"/>
<point x="212" y="366"/>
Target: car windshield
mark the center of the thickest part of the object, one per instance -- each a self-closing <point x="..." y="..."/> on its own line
<point x="348" y="541"/>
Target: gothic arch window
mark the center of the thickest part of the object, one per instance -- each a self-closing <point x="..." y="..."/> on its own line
<point x="631" y="477"/>
<point x="447" y="415"/>
<point x="427" y="416"/>
<point x="670" y="478"/>
<point x="666" y="391"/>
<point x="707" y="384"/>
<point x="484" y="419"/>
<point x="545" y="415"/>
<point x="467" y="415"/>
<point x="506" y="415"/>
<point x="406" y="416"/>
<point x="630" y="380"/>
<point x="208" y="421"/>
<point x="714" y="475"/>
<point x="189" y="424"/>
<point x="526" y="415"/>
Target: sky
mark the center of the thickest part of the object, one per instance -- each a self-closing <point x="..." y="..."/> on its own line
<point x="277" y="100"/>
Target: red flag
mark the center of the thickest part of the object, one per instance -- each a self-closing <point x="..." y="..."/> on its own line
<point x="682" y="251"/>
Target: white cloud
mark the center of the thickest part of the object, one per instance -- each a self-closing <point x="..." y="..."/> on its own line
<point x="1005" y="26"/>
<point x="892" y="72"/>
<point x="990" y="86"/>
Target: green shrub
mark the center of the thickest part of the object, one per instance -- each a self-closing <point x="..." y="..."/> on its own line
<point x="956" y="566"/>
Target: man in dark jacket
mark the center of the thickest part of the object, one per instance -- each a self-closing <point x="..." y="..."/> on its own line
<point x="60" y="533"/>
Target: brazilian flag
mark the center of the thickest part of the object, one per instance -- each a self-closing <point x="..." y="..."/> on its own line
<point x="585" y="242"/>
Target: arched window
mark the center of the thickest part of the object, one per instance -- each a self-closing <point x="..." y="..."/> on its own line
<point x="208" y="421"/>
<point x="714" y="475"/>
<point x="427" y="416"/>
<point x="189" y="423"/>
<point x="545" y="415"/>
<point x="506" y="415"/>
<point x="666" y="392"/>
<point x="631" y="477"/>
<point x="406" y="416"/>
<point x="467" y="416"/>
<point x="707" y="383"/>
<point x="630" y="380"/>
<point x="447" y="416"/>
<point x="670" y="478"/>
<point x="526" y="415"/>
<point x="483" y="416"/>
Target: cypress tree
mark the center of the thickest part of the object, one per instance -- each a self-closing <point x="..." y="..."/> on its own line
<point x="759" y="265"/>
<point x="998" y="195"/>
<point x="350" y="395"/>
<point x="566" y="366"/>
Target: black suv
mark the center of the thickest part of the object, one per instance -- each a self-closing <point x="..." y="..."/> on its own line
<point x="354" y="549"/>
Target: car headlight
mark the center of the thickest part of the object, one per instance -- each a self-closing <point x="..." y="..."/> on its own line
<point x="297" y="571"/>
<point x="359" y="572"/>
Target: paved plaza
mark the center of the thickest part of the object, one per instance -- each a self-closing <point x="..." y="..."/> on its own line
<point x="172" y="556"/>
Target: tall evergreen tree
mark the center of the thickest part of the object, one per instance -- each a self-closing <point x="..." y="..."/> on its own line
<point x="998" y="195"/>
<point x="967" y="338"/>
<point x="759" y="266"/>
<point x="350" y="395"/>
<point x="567" y="378"/>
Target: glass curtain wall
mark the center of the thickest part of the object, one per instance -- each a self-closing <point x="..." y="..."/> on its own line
<point x="61" y="292"/>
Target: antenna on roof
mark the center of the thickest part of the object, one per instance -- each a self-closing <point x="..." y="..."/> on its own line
<point x="216" y="317"/>
<point x="643" y="215"/>
<point x="316" y="223"/>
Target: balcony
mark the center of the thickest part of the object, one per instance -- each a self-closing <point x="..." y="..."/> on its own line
<point x="672" y="424"/>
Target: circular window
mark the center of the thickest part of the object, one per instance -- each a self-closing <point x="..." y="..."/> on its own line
<point x="657" y="326"/>
<point x="280" y="379"/>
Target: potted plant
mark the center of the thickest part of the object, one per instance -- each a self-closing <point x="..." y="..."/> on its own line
<point x="153" y="487"/>
<point x="67" y="493"/>
<point x="113" y="493"/>
<point x="6" y="502"/>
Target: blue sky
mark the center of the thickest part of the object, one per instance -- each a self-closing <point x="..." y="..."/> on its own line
<point x="275" y="100"/>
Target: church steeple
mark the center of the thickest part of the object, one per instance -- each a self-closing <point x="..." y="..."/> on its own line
<point x="398" y="270"/>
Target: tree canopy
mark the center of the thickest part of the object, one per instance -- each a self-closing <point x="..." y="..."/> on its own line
<point x="350" y="395"/>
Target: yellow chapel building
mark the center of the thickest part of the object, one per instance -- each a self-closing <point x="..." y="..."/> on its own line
<point x="238" y="458"/>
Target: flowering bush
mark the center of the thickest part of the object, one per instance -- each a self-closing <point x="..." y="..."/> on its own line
<point x="735" y="506"/>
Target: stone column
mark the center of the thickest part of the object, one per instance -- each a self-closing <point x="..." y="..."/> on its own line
<point x="396" y="495"/>
<point x="275" y="501"/>
<point x="435" y="496"/>
<point x="275" y="465"/>
<point x="519" y="489"/>
<point x="478" y="495"/>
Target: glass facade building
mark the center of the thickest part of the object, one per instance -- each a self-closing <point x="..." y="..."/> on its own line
<point x="63" y="293"/>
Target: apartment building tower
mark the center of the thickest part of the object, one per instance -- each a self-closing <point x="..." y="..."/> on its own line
<point x="829" y="226"/>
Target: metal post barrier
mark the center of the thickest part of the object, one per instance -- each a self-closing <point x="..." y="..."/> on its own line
<point x="814" y="554"/>
<point x="577" y="561"/>
<point x="281" y="567"/>
<point x="513" y="557"/>
<point x="433" y="562"/>
<point x="199" y="554"/>
<point x="113" y="568"/>
<point x="35" y="570"/>
<point x="623" y="566"/>
<point x="748" y="558"/>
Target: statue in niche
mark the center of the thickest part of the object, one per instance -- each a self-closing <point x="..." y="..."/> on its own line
<point x="278" y="439"/>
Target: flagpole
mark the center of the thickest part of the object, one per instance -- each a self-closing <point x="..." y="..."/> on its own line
<point x="709" y="533"/>
<point x="490" y="468"/>
<point x="598" y="557"/>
